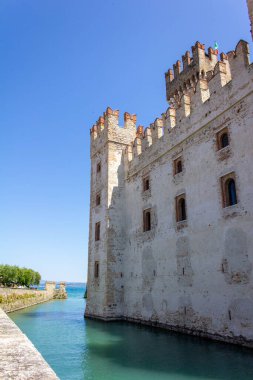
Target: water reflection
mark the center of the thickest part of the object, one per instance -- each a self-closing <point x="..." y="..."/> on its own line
<point x="155" y="353"/>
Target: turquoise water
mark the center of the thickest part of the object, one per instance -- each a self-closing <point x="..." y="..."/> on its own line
<point x="80" y="349"/>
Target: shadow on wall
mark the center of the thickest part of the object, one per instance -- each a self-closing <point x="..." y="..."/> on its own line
<point x="138" y="347"/>
<point x="116" y="234"/>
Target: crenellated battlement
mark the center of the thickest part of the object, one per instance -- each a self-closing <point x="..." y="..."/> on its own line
<point x="203" y="78"/>
<point x="196" y="67"/>
<point x="110" y="117"/>
<point x="107" y="128"/>
<point x="198" y="100"/>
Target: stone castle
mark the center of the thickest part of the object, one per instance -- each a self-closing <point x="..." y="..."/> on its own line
<point x="171" y="206"/>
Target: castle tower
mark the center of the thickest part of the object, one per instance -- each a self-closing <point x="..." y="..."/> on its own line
<point x="106" y="232"/>
<point x="171" y="208"/>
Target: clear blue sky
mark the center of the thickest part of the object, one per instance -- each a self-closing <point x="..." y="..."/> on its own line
<point x="62" y="63"/>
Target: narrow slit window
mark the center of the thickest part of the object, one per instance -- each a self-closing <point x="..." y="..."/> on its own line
<point x="98" y="199"/>
<point x="98" y="167"/>
<point x="146" y="220"/>
<point x="179" y="166"/>
<point x="146" y="184"/>
<point x="96" y="269"/>
<point x="97" y="231"/>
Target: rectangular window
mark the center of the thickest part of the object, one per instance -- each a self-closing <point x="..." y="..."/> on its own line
<point x="147" y="220"/>
<point x="180" y="208"/>
<point x="228" y="188"/>
<point x="97" y="231"/>
<point x="96" y="269"/>
<point x="98" y="199"/>
<point x="178" y="166"/>
<point x="146" y="183"/>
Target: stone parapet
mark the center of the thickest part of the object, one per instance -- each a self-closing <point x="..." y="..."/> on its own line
<point x="61" y="292"/>
<point x="16" y="299"/>
<point x="12" y="299"/>
<point x="19" y="357"/>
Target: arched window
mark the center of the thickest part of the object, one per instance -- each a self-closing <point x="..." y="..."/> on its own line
<point x="228" y="183"/>
<point x="146" y="220"/>
<point x="180" y="208"/>
<point x="224" y="140"/>
<point x="231" y="192"/>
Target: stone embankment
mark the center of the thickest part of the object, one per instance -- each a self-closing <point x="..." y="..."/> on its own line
<point x="12" y="299"/>
<point x="19" y="358"/>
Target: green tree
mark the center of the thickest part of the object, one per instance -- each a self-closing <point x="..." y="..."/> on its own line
<point x="11" y="275"/>
<point x="37" y="278"/>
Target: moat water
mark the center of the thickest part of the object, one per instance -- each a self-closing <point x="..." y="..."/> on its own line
<point x="79" y="349"/>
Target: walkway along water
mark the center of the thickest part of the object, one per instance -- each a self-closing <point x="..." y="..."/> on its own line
<point x="19" y="359"/>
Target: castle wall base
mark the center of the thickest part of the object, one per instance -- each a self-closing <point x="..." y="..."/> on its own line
<point x="236" y="340"/>
<point x="103" y="318"/>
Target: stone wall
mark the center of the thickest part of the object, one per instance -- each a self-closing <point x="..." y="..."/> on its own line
<point x="196" y="275"/>
<point x="29" y="298"/>
<point x="19" y="357"/>
<point x="17" y="298"/>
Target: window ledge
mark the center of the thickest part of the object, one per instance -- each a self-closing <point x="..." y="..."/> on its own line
<point x="223" y="153"/>
<point x="147" y="235"/>
<point x="231" y="211"/>
<point x="146" y="194"/>
<point x="182" y="224"/>
<point x="178" y="177"/>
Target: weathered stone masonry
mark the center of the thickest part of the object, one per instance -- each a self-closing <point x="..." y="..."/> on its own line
<point x="19" y="357"/>
<point x="188" y="267"/>
<point x="30" y="296"/>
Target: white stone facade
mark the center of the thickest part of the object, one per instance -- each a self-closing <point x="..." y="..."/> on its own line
<point x="192" y="275"/>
